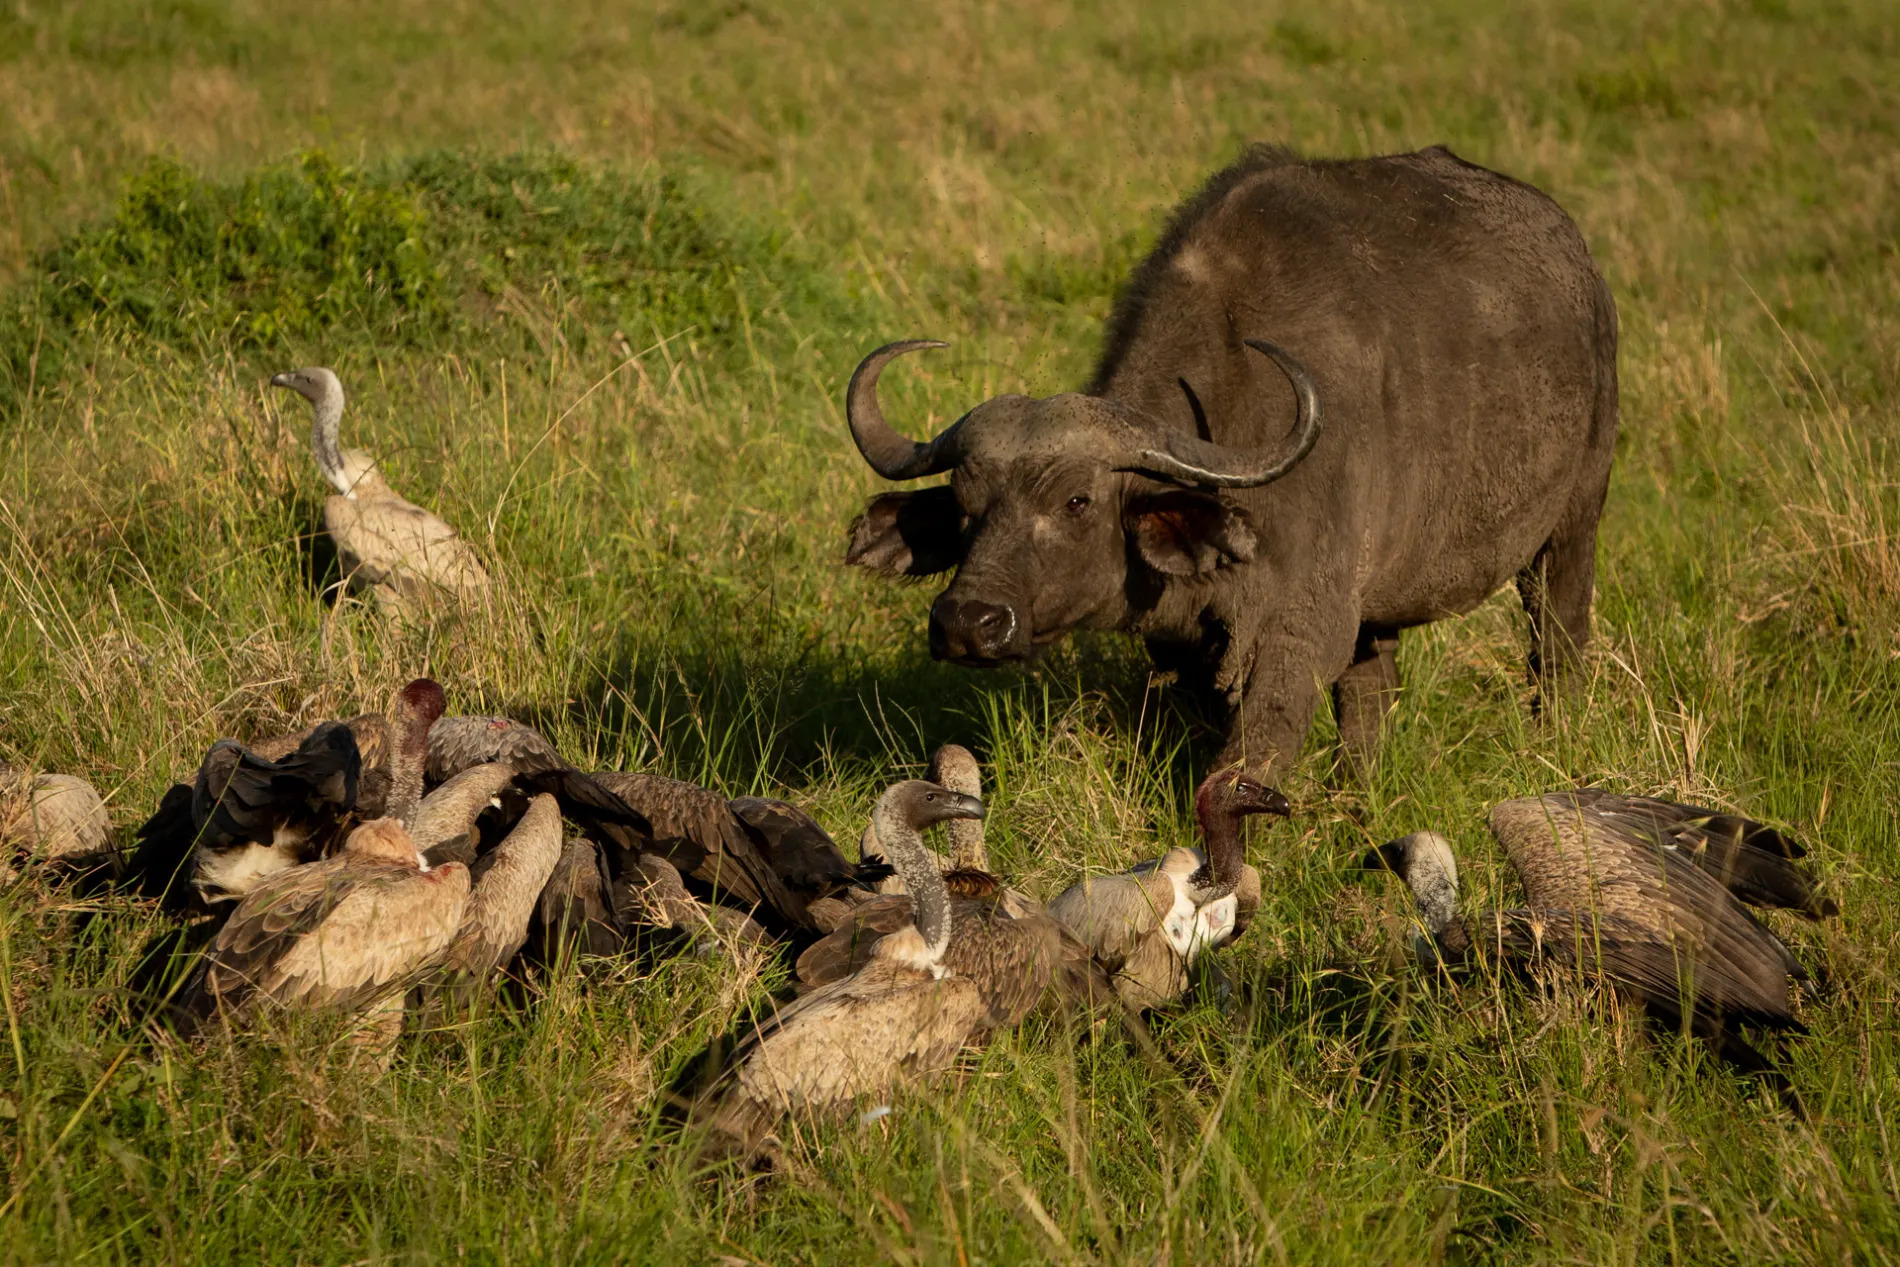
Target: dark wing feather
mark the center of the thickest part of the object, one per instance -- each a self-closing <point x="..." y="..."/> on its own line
<point x="574" y="906"/>
<point x="1664" y="975"/>
<point x="847" y="948"/>
<point x="800" y="850"/>
<point x="1752" y="860"/>
<point x="599" y="811"/>
<point x="1015" y="962"/>
<point x="370" y="729"/>
<point x="161" y="862"/>
<point x="1571" y="858"/>
<point x="733" y="864"/>
<point x="242" y="798"/>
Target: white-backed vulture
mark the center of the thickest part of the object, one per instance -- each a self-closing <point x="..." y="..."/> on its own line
<point x="1004" y="939"/>
<point x="904" y="1015"/>
<point x="385" y="545"/>
<point x="1645" y="896"/>
<point x="955" y="767"/>
<point x="245" y="818"/>
<point x="349" y="932"/>
<point x="1147" y="926"/>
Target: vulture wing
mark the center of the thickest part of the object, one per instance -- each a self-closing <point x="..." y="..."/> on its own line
<point x="863" y="1036"/>
<point x="242" y="798"/>
<point x="1678" y="931"/>
<point x="1752" y="860"/>
<point x="576" y="904"/>
<point x="161" y="861"/>
<point x="686" y="819"/>
<point x="456" y="743"/>
<point x="389" y="925"/>
<point x="1114" y="915"/>
<point x="1667" y="976"/>
<point x="385" y="540"/>
<point x="847" y="948"/>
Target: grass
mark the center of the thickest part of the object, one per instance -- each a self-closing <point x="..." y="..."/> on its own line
<point x="594" y="276"/>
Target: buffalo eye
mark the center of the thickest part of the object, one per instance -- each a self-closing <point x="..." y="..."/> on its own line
<point x="1077" y="505"/>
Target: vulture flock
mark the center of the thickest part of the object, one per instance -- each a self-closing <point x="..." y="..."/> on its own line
<point x="398" y="865"/>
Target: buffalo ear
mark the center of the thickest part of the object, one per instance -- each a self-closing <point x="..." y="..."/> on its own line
<point x="1186" y="533"/>
<point x="917" y="533"/>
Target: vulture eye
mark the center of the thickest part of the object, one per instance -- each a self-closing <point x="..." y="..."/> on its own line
<point x="1077" y="505"/>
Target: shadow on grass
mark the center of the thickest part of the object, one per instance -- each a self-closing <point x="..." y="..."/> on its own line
<point x="774" y="704"/>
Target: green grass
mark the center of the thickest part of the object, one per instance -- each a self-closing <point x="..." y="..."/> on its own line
<point x="594" y="277"/>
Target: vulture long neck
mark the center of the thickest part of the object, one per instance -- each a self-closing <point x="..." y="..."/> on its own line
<point x="325" y="439"/>
<point x="496" y="921"/>
<point x="1221" y="841"/>
<point x="416" y="709"/>
<point x="904" y="848"/>
<point x="953" y="766"/>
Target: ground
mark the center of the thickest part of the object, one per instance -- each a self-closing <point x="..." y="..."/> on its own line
<point x="595" y="275"/>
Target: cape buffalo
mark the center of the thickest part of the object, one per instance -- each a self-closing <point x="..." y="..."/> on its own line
<point x="1447" y="351"/>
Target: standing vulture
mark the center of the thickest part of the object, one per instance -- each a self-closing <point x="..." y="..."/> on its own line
<point x="1148" y="925"/>
<point x="955" y="767"/>
<point x="904" y="1015"/>
<point x="386" y="545"/>
<point x="1645" y="896"/>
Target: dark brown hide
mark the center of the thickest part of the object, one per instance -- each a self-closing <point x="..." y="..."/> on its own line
<point x="1460" y="345"/>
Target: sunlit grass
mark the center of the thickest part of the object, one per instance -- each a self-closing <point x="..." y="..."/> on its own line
<point x="664" y="512"/>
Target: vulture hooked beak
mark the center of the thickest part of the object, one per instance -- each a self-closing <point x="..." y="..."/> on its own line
<point x="963" y="805"/>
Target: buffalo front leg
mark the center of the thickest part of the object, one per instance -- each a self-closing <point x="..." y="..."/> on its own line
<point x="1363" y="695"/>
<point x="1557" y="589"/>
<point x="1276" y="704"/>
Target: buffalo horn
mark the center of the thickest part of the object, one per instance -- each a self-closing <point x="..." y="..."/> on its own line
<point x="891" y="455"/>
<point x="1186" y="459"/>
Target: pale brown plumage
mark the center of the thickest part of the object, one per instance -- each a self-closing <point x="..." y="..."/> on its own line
<point x="1018" y="953"/>
<point x="1004" y="940"/>
<point x="53" y="818"/>
<point x="902" y="1016"/>
<point x="1640" y="894"/>
<point x="458" y="742"/>
<point x="346" y="933"/>
<point x="387" y="546"/>
<point x="495" y="924"/>
<point x="1147" y="926"/>
<point x="446" y="827"/>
